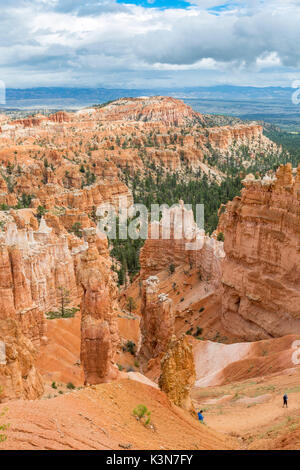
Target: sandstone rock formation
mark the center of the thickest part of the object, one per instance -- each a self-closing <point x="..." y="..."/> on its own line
<point x="34" y="264"/>
<point x="167" y="111"/>
<point x="60" y="169"/>
<point x="158" y="318"/>
<point x="177" y="240"/>
<point x="18" y="375"/>
<point x="178" y="373"/>
<point x="99" y="333"/>
<point x="70" y="154"/>
<point x="225" y="136"/>
<point x="261" y="276"/>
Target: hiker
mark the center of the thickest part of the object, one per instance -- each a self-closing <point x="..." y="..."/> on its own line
<point x="200" y="416"/>
<point x="285" y="400"/>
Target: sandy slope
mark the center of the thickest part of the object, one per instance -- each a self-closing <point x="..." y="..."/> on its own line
<point x="218" y="364"/>
<point x="100" y="417"/>
<point x="252" y="410"/>
<point x="59" y="358"/>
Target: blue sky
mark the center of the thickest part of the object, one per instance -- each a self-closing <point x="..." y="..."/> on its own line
<point x="148" y="44"/>
<point x="171" y="4"/>
<point x="158" y="3"/>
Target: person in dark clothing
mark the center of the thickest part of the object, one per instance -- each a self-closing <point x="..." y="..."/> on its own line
<point x="200" y="416"/>
<point x="285" y="400"/>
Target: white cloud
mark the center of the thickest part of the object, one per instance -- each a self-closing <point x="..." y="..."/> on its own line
<point x="100" y="42"/>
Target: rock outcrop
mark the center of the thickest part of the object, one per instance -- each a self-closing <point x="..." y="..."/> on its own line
<point x="34" y="264"/>
<point x="178" y="373"/>
<point x="174" y="245"/>
<point x="18" y="375"/>
<point x="225" y="136"/>
<point x="165" y="110"/>
<point x="62" y="167"/>
<point x="177" y="240"/>
<point x="99" y="332"/>
<point x="261" y="274"/>
<point x="158" y="319"/>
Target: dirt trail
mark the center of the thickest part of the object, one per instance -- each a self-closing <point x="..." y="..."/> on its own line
<point x="252" y="410"/>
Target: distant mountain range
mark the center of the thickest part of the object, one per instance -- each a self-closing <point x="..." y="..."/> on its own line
<point x="272" y="104"/>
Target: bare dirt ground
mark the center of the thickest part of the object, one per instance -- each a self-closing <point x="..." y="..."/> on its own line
<point x="59" y="358"/>
<point x="101" y="417"/>
<point x="251" y="410"/>
<point x="242" y="408"/>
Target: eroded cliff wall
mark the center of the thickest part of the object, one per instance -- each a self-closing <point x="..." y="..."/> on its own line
<point x="33" y="265"/>
<point x="176" y="249"/>
<point x="261" y="272"/>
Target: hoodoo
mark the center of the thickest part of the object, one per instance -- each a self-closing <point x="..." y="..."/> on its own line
<point x="99" y="332"/>
<point x="178" y="373"/>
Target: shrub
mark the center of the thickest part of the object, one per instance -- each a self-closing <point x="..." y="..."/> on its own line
<point x="70" y="386"/>
<point x="53" y="385"/>
<point x="68" y="313"/>
<point x="171" y="268"/>
<point x="3" y="427"/>
<point x="130" y="347"/>
<point x="131" y="305"/>
<point x="142" y="412"/>
<point x="41" y="211"/>
<point x="24" y="201"/>
<point x="198" y="331"/>
<point x="77" y="229"/>
<point x="220" y="237"/>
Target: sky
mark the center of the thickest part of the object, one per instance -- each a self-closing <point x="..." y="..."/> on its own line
<point x="149" y="43"/>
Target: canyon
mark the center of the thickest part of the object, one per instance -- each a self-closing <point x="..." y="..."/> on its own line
<point x="204" y="315"/>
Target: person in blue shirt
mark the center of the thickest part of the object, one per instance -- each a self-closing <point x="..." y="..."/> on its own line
<point x="200" y="416"/>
